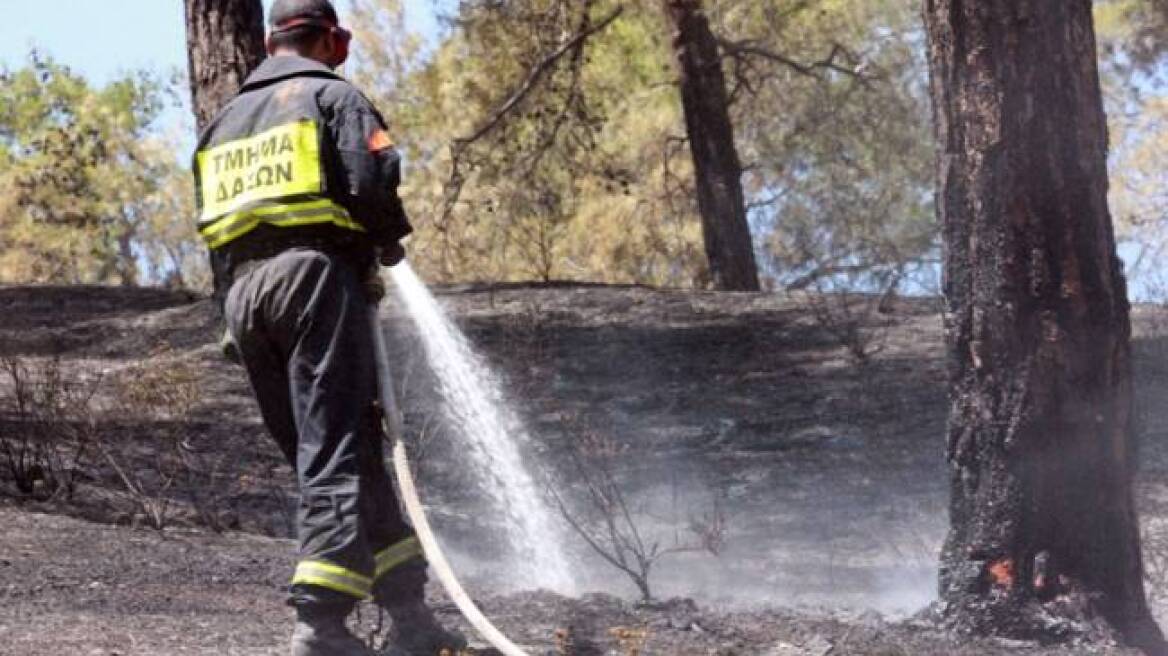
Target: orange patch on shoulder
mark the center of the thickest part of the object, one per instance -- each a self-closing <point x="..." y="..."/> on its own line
<point x="379" y="140"/>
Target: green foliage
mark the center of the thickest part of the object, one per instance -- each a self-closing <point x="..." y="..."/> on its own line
<point x="1133" y="32"/>
<point x="586" y="173"/>
<point x="549" y="191"/>
<point x="589" y="175"/>
<point x="1133" y="38"/>
<point x="86" y="189"/>
<point x="839" y="166"/>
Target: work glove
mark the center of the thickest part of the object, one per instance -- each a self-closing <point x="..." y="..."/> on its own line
<point x="229" y="348"/>
<point x="392" y="254"/>
<point x="387" y="256"/>
<point x="374" y="285"/>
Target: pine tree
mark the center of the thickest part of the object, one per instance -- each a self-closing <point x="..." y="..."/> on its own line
<point x="1041" y="438"/>
<point x="225" y="42"/>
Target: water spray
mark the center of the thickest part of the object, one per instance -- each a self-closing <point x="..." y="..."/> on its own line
<point x="413" y="504"/>
<point x="495" y="447"/>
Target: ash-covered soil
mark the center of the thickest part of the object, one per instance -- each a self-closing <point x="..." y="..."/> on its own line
<point x="75" y="587"/>
<point x="828" y="472"/>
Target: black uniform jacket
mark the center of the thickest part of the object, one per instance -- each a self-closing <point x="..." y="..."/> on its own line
<point x="361" y="166"/>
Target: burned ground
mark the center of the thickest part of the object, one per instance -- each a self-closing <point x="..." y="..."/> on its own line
<point x="830" y="473"/>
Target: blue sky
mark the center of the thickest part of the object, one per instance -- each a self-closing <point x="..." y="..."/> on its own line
<point x="104" y="38"/>
<point x="101" y="38"/>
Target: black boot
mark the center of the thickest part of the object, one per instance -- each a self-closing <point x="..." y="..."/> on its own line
<point x="321" y="631"/>
<point x="417" y="632"/>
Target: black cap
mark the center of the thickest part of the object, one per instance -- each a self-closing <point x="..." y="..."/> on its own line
<point x="287" y="14"/>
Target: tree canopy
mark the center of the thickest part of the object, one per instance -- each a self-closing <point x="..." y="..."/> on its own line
<point x="545" y="140"/>
<point x="90" y="191"/>
<point x="587" y="175"/>
<point x="1133" y="37"/>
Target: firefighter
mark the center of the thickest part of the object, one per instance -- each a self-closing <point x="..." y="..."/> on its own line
<point x="296" y="183"/>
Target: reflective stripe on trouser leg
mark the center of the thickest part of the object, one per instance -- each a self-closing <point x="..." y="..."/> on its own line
<point x="333" y="577"/>
<point x="395" y="555"/>
<point x="326" y="367"/>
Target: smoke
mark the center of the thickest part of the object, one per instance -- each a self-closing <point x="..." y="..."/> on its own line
<point x="833" y="484"/>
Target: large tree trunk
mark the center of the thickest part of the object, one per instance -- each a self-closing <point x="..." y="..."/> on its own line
<point x="1040" y="425"/>
<point x="717" y="172"/>
<point x="225" y="42"/>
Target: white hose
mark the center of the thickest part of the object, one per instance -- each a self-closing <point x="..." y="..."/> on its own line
<point x="413" y="504"/>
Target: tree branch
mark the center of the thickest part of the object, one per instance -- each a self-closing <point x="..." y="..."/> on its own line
<point x="535" y="75"/>
<point x="752" y="48"/>
<point x="803" y="282"/>
<point x="459" y="146"/>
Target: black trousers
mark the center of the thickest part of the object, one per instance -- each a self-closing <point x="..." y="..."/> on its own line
<point x="301" y="321"/>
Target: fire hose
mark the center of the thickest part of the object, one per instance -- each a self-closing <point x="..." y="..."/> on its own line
<point x="413" y="504"/>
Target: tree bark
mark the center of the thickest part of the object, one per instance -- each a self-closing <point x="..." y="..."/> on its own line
<point x="1040" y="430"/>
<point x="225" y="42"/>
<point x="717" y="172"/>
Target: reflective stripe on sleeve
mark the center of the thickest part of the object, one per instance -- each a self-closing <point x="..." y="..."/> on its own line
<point x="397" y="554"/>
<point x="333" y="577"/>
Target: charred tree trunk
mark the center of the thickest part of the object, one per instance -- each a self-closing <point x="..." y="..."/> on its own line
<point x="717" y="172"/>
<point x="1043" y="536"/>
<point x="225" y="42"/>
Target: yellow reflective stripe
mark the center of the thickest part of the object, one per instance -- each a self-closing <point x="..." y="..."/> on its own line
<point x="397" y="554"/>
<point x="337" y="215"/>
<point x="332" y="584"/>
<point x="235" y="234"/>
<point x="224" y="222"/>
<point x="244" y="224"/>
<point x="333" y="577"/>
<point x="236" y="225"/>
